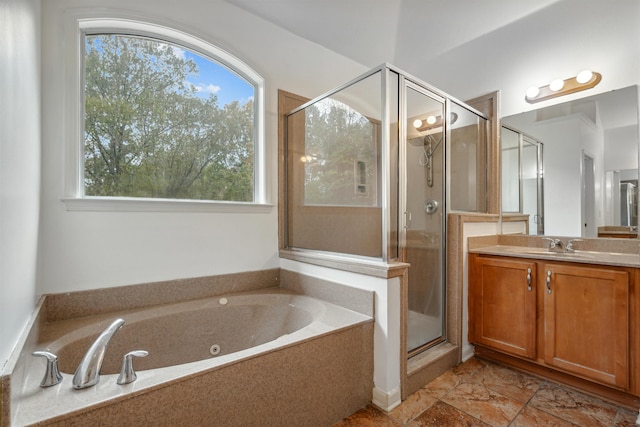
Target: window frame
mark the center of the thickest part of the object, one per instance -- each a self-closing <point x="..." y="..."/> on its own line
<point x="74" y="197"/>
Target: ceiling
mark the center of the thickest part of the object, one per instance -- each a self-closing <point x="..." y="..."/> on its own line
<point x="375" y="31"/>
<point x="469" y="47"/>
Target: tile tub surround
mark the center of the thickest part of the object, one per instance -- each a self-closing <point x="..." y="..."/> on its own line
<point x="350" y="362"/>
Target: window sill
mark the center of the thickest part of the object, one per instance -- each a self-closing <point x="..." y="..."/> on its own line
<point x="124" y="204"/>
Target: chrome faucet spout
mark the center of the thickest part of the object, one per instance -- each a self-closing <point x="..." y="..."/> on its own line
<point x="88" y="372"/>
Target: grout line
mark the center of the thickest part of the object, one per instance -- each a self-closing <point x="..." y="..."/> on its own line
<point x="556" y="385"/>
<point x="466" y="379"/>
<point x="527" y="403"/>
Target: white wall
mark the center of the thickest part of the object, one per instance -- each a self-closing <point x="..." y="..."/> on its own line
<point x="86" y="250"/>
<point x="592" y="142"/>
<point x="622" y="148"/>
<point x="19" y="165"/>
<point x="534" y="50"/>
<point x="563" y="139"/>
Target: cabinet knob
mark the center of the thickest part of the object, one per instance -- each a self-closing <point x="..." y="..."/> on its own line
<point x="529" y="279"/>
<point x="549" y="282"/>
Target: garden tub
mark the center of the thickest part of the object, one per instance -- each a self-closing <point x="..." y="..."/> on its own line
<point x="260" y="357"/>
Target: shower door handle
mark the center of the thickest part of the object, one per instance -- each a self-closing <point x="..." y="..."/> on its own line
<point x="407" y="221"/>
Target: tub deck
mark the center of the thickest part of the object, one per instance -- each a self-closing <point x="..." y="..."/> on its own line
<point x="324" y="362"/>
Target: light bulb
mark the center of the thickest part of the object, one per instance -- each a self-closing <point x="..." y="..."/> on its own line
<point x="532" y="92"/>
<point x="556" y="85"/>
<point x="417" y="123"/>
<point x="584" y="76"/>
<point x="431" y="120"/>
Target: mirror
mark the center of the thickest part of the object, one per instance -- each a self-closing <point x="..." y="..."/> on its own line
<point x="590" y="158"/>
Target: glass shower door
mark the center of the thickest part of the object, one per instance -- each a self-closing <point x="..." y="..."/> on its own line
<point x="424" y="217"/>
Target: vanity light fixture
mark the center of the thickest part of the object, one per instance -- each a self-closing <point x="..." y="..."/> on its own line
<point x="431" y="122"/>
<point x="584" y="76"/>
<point x="556" y="85"/>
<point x="584" y="80"/>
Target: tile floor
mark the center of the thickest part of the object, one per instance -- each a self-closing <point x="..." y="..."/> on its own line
<point x="480" y="393"/>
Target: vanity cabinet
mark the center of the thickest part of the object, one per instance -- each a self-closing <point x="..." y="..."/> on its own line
<point x="586" y="321"/>
<point x="503" y="305"/>
<point x="573" y="318"/>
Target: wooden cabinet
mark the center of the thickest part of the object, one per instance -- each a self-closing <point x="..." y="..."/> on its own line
<point x="573" y="318"/>
<point x="586" y="321"/>
<point x="503" y="305"/>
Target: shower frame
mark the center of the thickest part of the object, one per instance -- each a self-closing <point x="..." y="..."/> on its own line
<point x="393" y="218"/>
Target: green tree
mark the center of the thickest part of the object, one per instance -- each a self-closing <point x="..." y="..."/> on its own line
<point x="149" y="134"/>
<point x="337" y="138"/>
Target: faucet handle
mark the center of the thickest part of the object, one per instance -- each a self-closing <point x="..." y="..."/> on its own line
<point x="570" y="243"/>
<point x="553" y="242"/>
<point x="127" y="374"/>
<point x="52" y="374"/>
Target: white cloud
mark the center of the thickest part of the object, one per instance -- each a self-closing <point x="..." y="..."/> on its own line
<point x="210" y="88"/>
<point x="178" y="53"/>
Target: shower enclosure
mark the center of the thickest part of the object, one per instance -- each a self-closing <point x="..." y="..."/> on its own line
<point x="372" y="168"/>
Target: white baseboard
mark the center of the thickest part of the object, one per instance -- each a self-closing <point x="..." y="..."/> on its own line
<point x="467" y="352"/>
<point x="386" y="401"/>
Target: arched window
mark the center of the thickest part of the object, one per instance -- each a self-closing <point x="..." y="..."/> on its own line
<point x="166" y="116"/>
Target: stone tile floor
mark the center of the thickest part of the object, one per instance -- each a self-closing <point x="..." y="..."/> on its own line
<point x="480" y="393"/>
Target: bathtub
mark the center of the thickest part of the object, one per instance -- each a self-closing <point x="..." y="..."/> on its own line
<point x="268" y="356"/>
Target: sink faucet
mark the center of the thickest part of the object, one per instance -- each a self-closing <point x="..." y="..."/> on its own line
<point x="555" y="245"/>
<point x="88" y="372"/>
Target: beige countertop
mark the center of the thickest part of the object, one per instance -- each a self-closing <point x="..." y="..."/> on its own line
<point x="596" y="251"/>
<point x="585" y="257"/>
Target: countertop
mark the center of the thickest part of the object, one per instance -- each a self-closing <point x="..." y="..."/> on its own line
<point x="584" y="257"/>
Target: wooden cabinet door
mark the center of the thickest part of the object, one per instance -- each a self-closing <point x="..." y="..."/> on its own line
<point x="586" y="319"/>
<point x="502" y="305"/>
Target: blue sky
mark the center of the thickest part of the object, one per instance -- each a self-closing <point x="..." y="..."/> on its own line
<point x="214" y="78"/>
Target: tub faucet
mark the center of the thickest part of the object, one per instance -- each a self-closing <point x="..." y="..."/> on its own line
<point x="88" y="372"/>
<point x="52" y="376"/>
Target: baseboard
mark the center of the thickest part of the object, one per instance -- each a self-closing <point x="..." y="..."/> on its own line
<point x="467" y="352"/>
<point x="386" y="401"/>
